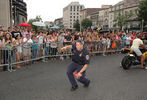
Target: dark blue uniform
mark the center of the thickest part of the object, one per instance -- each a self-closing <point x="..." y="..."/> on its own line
<point x="80" y="58"/>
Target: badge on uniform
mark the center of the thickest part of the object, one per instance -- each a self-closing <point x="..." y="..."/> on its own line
<point x="80" y="54"/>
<point x="87" y="57"/>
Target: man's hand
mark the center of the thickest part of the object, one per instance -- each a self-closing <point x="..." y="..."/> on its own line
<point x="79" y="75"/>
<point x="63" y="49"/>
<point x="66" y="47"/>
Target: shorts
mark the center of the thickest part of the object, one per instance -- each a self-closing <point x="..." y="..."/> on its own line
<point x="19" y="49"/>
<point x="59" y="47"/>
<point x="26" y="52"/>
<point x="137" y="51"/>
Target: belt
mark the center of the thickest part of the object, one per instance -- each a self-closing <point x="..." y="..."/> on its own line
<point x="77" y="62"/>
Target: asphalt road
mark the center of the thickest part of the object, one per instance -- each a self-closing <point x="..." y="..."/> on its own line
<point x="48" y="81"/>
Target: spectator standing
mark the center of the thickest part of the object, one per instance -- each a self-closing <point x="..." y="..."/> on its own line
<point x="34" y="48"/>
<point x="19" y="49"/>
<point x="27" y="43"/>
<point x="7" y="52"/>
<point x="16" y="32"/>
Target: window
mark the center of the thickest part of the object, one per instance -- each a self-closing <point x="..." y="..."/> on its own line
<point x="136" y="11"/>
<point x="70" y="13"/>
<point x="131" y="11"/>
<point x="70" y="16"/>
<point x="70" y="8"/>
<point x="77" y="17"/>
<point x="73" y="16"/>
<point x="77" y="13"/>
<point x="81" y="7"/>
<point x="74" y="8"/>
<point x="77" y="8"/>
<point x="126" y="12"/>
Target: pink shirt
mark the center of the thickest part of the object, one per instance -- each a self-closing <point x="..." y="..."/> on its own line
<point x="24" y="34"/>
<point x="117" y="37"/>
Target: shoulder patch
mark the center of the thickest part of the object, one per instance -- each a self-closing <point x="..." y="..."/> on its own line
<point x="87" y="57"/>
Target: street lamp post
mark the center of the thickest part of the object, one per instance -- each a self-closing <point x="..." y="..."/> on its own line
<point x="11" y="12"/>
<point x="80" y="24"/>
<point x="142" y="24"/>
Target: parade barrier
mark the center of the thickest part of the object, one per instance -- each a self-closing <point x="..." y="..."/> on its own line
<point x="23" y="55"/>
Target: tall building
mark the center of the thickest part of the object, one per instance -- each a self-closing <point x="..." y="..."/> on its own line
<point x="71" y="13"/>
<point x="12" y="12"/>
<point x="94" y="16"/>
<point x="85" y="13"/>
<point x="5" y="13"/>
<point x="100" y="17"/>
<point x="131" y="1"/>
<point x="123" y="8"/>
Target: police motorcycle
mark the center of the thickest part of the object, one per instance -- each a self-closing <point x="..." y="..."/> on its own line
<point x="130" y="58"/>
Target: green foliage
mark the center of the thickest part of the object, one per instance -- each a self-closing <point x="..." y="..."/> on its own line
<point x="61" y="26"/>
<point x="77" y="25"/>
<point x="121" y="19"/>
<point x="86" y="23"/>
<point x="37" y="19"/>
<point x="142" y="15"/>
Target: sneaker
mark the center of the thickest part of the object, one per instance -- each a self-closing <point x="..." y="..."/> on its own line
<point x="87" y="85"/>
<point x="74" y="88"/>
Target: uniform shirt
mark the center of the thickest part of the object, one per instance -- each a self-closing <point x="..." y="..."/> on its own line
<point x="80" y="57"/>
<point x="136" y="43"/>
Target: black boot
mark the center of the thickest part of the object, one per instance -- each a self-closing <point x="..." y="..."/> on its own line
<point x="74" y="88"/>
<point x="87" y="85"/>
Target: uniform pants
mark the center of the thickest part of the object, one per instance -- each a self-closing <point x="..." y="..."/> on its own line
<point x="76" y="67"/>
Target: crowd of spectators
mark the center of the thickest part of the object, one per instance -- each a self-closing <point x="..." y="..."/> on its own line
<point x="25" y="44"/>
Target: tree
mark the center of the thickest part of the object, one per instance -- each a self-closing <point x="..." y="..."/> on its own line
<point x="121" y="19"/>
<point x="77" y="25"/>
<point x="142" y="13"/>
<point x="86" y="23"/>
<point x="37" y="19"/>
<point x="61" y="26"/>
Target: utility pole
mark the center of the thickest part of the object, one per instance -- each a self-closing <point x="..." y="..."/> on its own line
<point x="142" y="24"/>
<point x="11" y="12"/>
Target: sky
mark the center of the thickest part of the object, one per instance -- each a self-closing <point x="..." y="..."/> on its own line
<point x="49" y="10"/>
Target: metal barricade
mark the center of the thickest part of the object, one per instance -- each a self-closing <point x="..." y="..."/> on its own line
<point x="23" y="55"/>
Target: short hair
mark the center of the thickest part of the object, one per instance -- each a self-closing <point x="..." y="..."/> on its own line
<point x="80" y="41"/>
<point x="138" y="35"/>
<point x="28" y="34"/>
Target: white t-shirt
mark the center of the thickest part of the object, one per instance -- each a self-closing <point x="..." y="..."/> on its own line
<point x="28" y="43"/>
<point x="40" y="39"/>
<point x="104" y="41"/>
<point x="128" y="40"/>
<point x="136" y="43"/>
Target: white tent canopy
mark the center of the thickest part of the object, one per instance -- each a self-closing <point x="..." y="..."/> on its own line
<point x="38" y="23"/>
